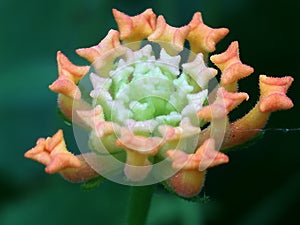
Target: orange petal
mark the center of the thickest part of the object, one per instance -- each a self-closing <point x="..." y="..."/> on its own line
<point x="273" y="93"/>
<point x="224" y="103"/>
<point x="52" y="152"/>
<point x="203" y="38"/>
<point x="92" y="117"/>
<point x="272" y="97"/>
<point x="109" y="43"/>
<point x="66" y="87"/>
<point x="68" y="77"/>
<point x="230" y="64"/>
<point x="135" y="28"/>
<point x="205" y="157"/>
<point x="172" y="35"/>
<point x="185" y="130"/>
<point x="141" y="144"/>
<point x="69" y="70"/>
<point x="138" y="149"/>
<point x="38" y="153"/>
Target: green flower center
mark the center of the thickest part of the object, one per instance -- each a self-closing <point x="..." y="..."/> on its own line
<point x="148" y="91"/>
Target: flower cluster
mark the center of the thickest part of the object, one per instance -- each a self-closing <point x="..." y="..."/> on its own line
<point x="154" y="113"/>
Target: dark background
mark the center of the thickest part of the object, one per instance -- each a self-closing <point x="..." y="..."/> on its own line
<point x="259" y="186"/>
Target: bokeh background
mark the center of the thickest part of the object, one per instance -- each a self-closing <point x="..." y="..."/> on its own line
<point x="259" y="186"/>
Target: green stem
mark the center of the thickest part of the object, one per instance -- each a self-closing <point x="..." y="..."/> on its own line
<point x="140" y="200"/>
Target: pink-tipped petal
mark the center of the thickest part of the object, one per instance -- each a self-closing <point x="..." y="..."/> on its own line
<point x="273" y="93"/>
<point x="205" y="157"/>
<point x="68" y="77"/>
<point x="184" y="130"/>
<point x="230" y="64"/>
<point x="173" y="36"/>
<point x="110" y="43"/>
<point x="272" y="98"/>
<point x="135" y="28"/>
<point x="92" y="117"/>
<point x="141" y="144"/>
<point x="203" y="38"/>
<point x="224" y="103"/>
<point x="69" y="70"/>
<point x="65" y="87"/>
<point x="138" y="149"/>
<point x="52" y="152"/>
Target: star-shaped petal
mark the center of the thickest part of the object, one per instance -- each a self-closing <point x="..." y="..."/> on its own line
<point x="191" y="168"/>
<point x="171" y="38"/>
<point x="138" y="149"/>
<point x="92" y="117"/>
<point x="184" y="130"/>
<point x="203" y="38"/>
<point x="224" y="103"/>
<point x="68" y="77"/>
<point x="273" y="93"/>
<point x="67" y="69"/>
<point x="272" y="98"/>
<point x="135" y="28"/>
<point x="52" y="152"/>
<point x="230" y="64"/>
<point x="205" y="156"/>
<point x="110" y="43"/>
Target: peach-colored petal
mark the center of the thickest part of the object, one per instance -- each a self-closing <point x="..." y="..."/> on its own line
<point x="230" y="64"/>
<point x="69" y="70"/>
<point x="66" y="87"/>
<point x="172" y="35"/>
<point x="104" y="63"/>
<point x="273" y="93"/>
<point x="135" y="28"/>
<point x="203" y="39"/>
<point x="138" y="149"/>
<point x="92" y="117"/>
<point x="52" y="152"/>
<point x="224" y="103"/>
<point x="206" y="156"/>
<point x="110" y="43"/>
<point x="272" y="97"/>
<point x="189" y="180"/>
<point x="38" y="154"/>
<point x="141" y="144"/>
<point x="68" y="77"/>
<point x="184" y="130"/>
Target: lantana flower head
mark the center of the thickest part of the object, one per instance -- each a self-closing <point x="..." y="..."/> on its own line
<point x="147" y="110"/>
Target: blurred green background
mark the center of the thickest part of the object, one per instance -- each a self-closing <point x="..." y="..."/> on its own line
<point x="261" y="184"/>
